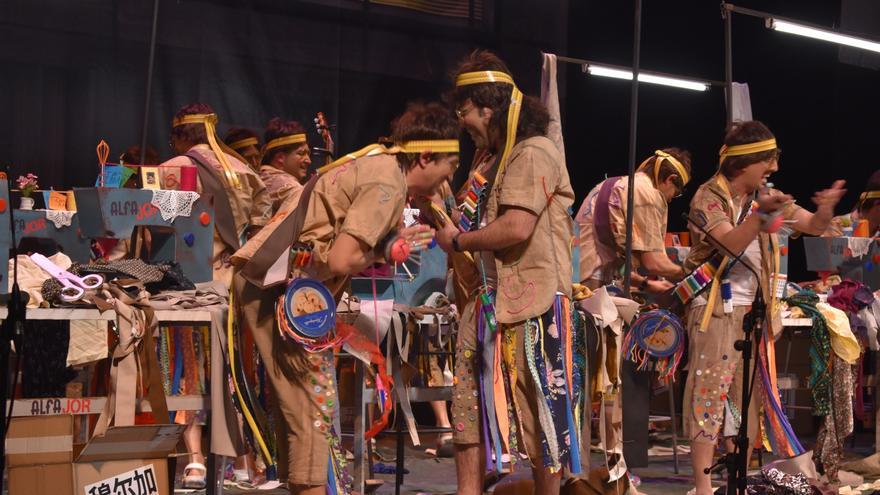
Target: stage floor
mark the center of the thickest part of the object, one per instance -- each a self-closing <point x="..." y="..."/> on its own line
<point x="430" y="475"/>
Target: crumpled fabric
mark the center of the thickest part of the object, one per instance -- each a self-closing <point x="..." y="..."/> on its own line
<point x="173" y="204"/>
<point x="774" y="482"/>
<point x="205" y="295"/>
<point x="837" y="425"/>
<point x="843" y="341"/>
<point x="850" y="296"/>
<point x="31" y="277"/>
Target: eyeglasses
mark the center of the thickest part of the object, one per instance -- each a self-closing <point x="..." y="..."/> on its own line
<point x="462" y="112"/>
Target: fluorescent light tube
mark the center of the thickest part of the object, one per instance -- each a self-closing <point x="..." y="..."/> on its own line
<point x="821" y="34"/>
<point x="599" y="70"/>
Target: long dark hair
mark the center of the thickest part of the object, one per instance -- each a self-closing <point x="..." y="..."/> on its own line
<point x="533" y="117"/>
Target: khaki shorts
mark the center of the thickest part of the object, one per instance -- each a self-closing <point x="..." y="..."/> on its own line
<point x="465" y="386"/>
<point x="714" y="380"/>
<point x="304" y="384"/>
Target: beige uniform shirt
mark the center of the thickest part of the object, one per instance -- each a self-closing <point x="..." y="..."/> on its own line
<point x="600" y="262"/>
<point x="531" y="273"/>
<point x="712" y="205"/>
<point x="250" y="204"/>
<point x="279" y="184"/>
<point x="364" y="198"/>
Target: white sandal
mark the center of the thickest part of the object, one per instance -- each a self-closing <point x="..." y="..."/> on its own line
<point x="193" y="481"/>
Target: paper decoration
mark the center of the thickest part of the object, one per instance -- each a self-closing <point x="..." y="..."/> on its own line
<point x="150" y="177"/>
<point x="127" y="172"/>
<point x="71" y="201"/>
<point x="57" y="201"/>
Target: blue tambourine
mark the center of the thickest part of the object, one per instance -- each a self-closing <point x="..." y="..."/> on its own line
<point x="309" y="308"/>
<point x="658" y="332"/>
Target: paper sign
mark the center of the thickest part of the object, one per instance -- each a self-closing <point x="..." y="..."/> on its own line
<point x="127" y="172"/>
<point x="140" y="481"/>
<point x="150" y="177"/>
<point x="46" y="198"/>
<point x="57" y="201"/>
<point x="112" y="176"/>
<point x="71" y="201"/>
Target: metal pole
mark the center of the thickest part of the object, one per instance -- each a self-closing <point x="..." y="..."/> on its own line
<point x="728" y="61"/>
<point x="633" y="124"/>
<point x="149" y="81"/>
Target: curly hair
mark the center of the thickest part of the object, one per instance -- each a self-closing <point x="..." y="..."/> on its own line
<point x="277" y="128"/>
<point x="747" y="132"/>
<point x="191" y="133"/>
<point x="533" y="117"/>
<point x="421" y="121"/>
<point x="667" y="169"/>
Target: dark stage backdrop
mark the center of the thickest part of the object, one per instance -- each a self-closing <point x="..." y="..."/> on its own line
<point x="72" y="73"/>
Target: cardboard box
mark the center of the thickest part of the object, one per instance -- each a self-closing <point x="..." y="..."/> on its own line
<point x="129" y="460"/>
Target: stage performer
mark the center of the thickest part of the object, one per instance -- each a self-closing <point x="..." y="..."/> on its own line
<point x="867" y="208"/>
<point x="285" y="160"/>
<point x="350" y="220"/>
<point x="521" y="235"/>
<point x="661" y="178"/>
<point x="241" y="204"/>
<point x="739" y="209"/>
<point x="246" y="143"/>
<point x="601" y="219"/>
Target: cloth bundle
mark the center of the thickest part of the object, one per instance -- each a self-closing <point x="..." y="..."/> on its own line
<point x="155" y="277"/>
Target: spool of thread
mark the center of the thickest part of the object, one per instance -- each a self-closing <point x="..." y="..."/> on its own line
<point x="861" y="229"/>
<point x="188" y="178"/>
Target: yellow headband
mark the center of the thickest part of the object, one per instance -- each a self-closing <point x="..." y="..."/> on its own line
<point x="484" y="76"/>
<point x="746" y="149"/>
<point x="243" y="143"/>
<point x="218" y="147"/>
<point x="284" y="141"/>
<point x="660" y="156"/>
<point x="869" y="195"/>
<point x="430" y="146"/>
<point x="516" y="97"/>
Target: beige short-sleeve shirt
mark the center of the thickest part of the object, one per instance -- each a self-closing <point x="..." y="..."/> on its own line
<point x="279" y="185"/>
<point x="600" y="262"/>
<point x="531" y="273"/>
<point x="364" y="198"/>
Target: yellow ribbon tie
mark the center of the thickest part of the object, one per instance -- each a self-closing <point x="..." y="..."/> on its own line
<point x="869" y="195"/>
<point x="244" y="143"/>
<point x="516" y="97"/>
<point x="662" y="155"/>
<point x="218" y="147"/>
<point x="369" y="150"/>
<point x="430" y="146"/>
<point x="746" y="149"/>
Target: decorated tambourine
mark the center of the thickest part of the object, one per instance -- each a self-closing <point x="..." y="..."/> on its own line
<point x="656" y="336"/>
<point x="307" y="314"/>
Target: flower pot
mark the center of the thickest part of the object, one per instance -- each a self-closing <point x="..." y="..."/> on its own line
<point x="27" y="203"/>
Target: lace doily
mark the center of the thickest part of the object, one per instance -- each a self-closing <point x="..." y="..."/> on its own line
<point x="173" y="204"/>
<point x="60" y="218"/>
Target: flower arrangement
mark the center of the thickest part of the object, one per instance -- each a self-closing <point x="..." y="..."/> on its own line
<point x="27" y="184"/>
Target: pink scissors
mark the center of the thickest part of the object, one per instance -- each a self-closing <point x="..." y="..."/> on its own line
<point x="74" y="287"/>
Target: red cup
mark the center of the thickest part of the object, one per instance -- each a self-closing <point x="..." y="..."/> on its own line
<point x="187" y="178"/>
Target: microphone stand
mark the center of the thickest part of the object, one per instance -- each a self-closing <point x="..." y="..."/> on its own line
<point x="736" y="462"/>
<point x="10" y="333"/>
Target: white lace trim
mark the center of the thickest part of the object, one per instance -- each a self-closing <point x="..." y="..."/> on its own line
<point x="173" y="204"/>
<point x="60" y="218"/>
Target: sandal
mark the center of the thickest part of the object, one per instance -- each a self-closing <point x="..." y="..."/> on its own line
<point x="445" y="448"/>
<point x="194" y="481"/>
